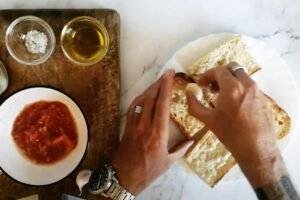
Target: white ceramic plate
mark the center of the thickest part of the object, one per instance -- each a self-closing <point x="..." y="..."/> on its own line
<point x="275" y="78"/>
<point x="16" y="165"/>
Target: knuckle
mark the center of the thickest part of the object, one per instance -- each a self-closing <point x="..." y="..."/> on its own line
<point x="155" y="133"/>
<point x="235" y="94"/>
<point x="148" y="100"/>
<point x="144" y="148"/>
<point x="219" y="72"/>
<point x="140" y="129"/>
<point x="236" y="90"/>
<point x="150" y="144"/>
<point x="159" y="104"/>
<point x="137" y="99"/>
<point x="253" y="87"/>
<point x="154" y="145"/>
<point x="191" y="110"/>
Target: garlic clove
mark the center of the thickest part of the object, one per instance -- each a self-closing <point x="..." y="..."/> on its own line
<point x="83" y="178"/>
<point x="195" y="89"/>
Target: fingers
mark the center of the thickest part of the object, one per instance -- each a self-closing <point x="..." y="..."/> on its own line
<point x="162" y="106"/>
<point x="180" y="150"/>
<point x="198" y="110"/>
<point x="146" y="100"/>
<point x="243" y="77"/>
<point x="133" y="118"/>
<point x="240" y="73"/>
<point x="149" y="98"/>
<point x="152" y="91"/>
<point x="221" y="75"/>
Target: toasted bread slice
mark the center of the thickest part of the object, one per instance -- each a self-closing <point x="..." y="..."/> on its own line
<point x="210" y="159"/>
<point x="280" y="118"/>
<point x="232" y="50"/>
<point x="188" y="124"/>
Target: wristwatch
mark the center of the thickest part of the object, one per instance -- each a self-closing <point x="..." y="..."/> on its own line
<point x="104" y="181"/>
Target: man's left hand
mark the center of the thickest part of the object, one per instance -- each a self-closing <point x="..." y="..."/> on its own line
<point x="143" y="153"/>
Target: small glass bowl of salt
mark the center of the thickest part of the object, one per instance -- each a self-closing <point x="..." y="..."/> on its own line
<point x="30" y="40"/>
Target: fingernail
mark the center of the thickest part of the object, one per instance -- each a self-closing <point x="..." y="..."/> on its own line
<point x="191" y="142"/>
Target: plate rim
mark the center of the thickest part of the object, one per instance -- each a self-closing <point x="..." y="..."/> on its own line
<point x="86" y="123"/>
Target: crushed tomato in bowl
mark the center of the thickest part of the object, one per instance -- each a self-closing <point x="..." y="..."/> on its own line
<point x="45" y="132"/>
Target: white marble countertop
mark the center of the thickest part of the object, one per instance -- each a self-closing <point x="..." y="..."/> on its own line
<point x="151" y="31"/>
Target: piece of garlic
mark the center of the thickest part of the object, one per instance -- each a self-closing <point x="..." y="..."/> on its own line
<point x="195" y="89"/>
<point x="83" y="178"/>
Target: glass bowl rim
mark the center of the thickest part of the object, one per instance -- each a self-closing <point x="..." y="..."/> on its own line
<point x="41" y="22"/>
<point x="97" y="23"/>
<point x="5" y="76"/>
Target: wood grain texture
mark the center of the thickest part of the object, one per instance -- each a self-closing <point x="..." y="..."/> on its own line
<point x="95" y="88"/>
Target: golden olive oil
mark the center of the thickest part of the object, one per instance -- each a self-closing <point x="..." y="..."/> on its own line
<point x="85" y="42"/>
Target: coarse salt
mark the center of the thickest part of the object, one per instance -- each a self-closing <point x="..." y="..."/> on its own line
<point x="35" y="41"/>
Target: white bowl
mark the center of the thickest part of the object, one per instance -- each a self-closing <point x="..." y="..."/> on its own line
<point x="16" y="165"/>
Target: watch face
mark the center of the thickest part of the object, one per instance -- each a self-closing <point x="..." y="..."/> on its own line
<point x="100" y="180"/>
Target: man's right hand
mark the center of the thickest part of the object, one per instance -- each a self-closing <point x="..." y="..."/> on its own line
<point x="241" y="120"/>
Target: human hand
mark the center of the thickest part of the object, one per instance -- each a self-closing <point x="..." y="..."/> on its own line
<point x="241" y="120"/>
<point x="143" y="153"/>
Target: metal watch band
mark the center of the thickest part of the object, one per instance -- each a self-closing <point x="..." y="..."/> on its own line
<point x="117" y="192"/>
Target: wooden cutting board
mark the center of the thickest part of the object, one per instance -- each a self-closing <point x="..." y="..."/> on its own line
<point x="95" y="88"/>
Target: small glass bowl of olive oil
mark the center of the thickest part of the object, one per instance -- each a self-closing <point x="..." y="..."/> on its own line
<point x="84" y="40"/>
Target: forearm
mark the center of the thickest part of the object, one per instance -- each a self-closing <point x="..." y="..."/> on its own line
<point x="263" y="170"/>
<point x="279" y="190"/>
<point x="270" y="179"/>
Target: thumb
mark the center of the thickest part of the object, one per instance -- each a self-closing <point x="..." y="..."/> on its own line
<point x="197" y="109"/>
<point x="180" y="149"/>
